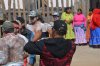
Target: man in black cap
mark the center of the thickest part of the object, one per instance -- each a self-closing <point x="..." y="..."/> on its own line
<point x="55" y="51"/>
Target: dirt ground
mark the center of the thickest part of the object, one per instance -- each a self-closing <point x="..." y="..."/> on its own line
<point x="84" y="56"/>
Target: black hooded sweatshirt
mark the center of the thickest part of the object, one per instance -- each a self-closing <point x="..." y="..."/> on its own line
<point x="58" y="47"/>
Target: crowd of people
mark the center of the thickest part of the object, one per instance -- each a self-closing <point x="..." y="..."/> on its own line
<point x="54" y="41"/>
<point x="83" y="29"/>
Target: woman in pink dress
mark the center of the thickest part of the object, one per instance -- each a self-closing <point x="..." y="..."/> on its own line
<point x="79" y="24"/>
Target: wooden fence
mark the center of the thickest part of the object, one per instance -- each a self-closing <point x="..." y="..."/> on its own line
<point x="44" y="8"/>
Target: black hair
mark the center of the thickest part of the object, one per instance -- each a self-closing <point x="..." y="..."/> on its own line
<point x="59" y="29"/>
<point x="1" y="22"/>
<point x="79" y="10"/>
<point x="91" y="9"/>
<point x="67" y="8"/>
<point x="40" y="18"/>
<point x="15" y="22"/>
<point x="21" y="19"/>
<point x="32" y="17"/>
<point x="61" y="32"/>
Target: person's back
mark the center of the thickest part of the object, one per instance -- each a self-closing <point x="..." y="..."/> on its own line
<point x="15" y="45"/>
<point x="56" y="51"/>
<point x="12" y="45"/>
<point x="3" y="52"/>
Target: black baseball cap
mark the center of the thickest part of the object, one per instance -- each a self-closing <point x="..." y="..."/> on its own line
<point x="20" y="19"/>
<point x="60" y="26"/>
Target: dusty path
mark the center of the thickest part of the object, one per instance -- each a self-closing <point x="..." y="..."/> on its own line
<point x="85" y="56"/>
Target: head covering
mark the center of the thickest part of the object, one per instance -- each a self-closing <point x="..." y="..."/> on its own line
<point x="60" y="26"/>
<point x="67" y="8"/>
<point x="96" y="11"/>
<point x="33" y="14"/>
<point x="17" y="22"/>
<point x="55" y="14"/>
<point x="1" y="22"/>
<point x="7" y="25"/>
<point x="20" y="19"/>
<point x="91" y="9"/>
<point x="79" y="9"/>
<point x="95" y="19"/>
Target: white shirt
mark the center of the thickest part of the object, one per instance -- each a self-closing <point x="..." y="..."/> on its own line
<point x="45" y="27"/>
<point x="52" y="24"/>
<point x="29" y="27"/>
<point x="26" y="40"/>
<point x="36" y="27"/>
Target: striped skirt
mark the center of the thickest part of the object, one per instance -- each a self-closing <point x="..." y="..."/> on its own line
<point x="80" y="35"/>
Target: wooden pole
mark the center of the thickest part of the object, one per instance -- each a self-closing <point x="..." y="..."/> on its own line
<point x="75" y="5"/>
<point x="39" y="10"/>
<point x="67" y="3"/>
<point x="0" y="31"/>
<point x="24" y="12"/>
<point x="9" y="9"/>
<point x="43" y="9"/>
<point x="62" y="2"/>
<point x="35" y="5"/>
<point x="14" y="10"/>
<point x="32" y="5"/>
<point x="57" y="5"/>
<point x="28" y="8"/>
<point x="3" y="9"/>
<point x="19" y="13"/>
<point x="87" y="7"/>
<point x="52" y="8"/>
<point x="0" y="25"/>
<point x="48" y="12"/>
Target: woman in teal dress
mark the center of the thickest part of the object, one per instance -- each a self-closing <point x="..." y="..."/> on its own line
<point x="67" y="16"/>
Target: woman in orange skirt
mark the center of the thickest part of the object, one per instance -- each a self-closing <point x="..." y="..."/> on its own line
<point x="89" y="17"/>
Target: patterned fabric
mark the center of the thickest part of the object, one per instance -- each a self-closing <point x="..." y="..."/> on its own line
<point x="95" y="28"/>
<point x="3" y="52"/>
<point x="12" y="47"/>
<point x="69" y="18"/>
<point x="80" y="35"/>
<point x="78" y="22"/>
<point x="48" y="60"/>
<point x="95" y="37"/>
